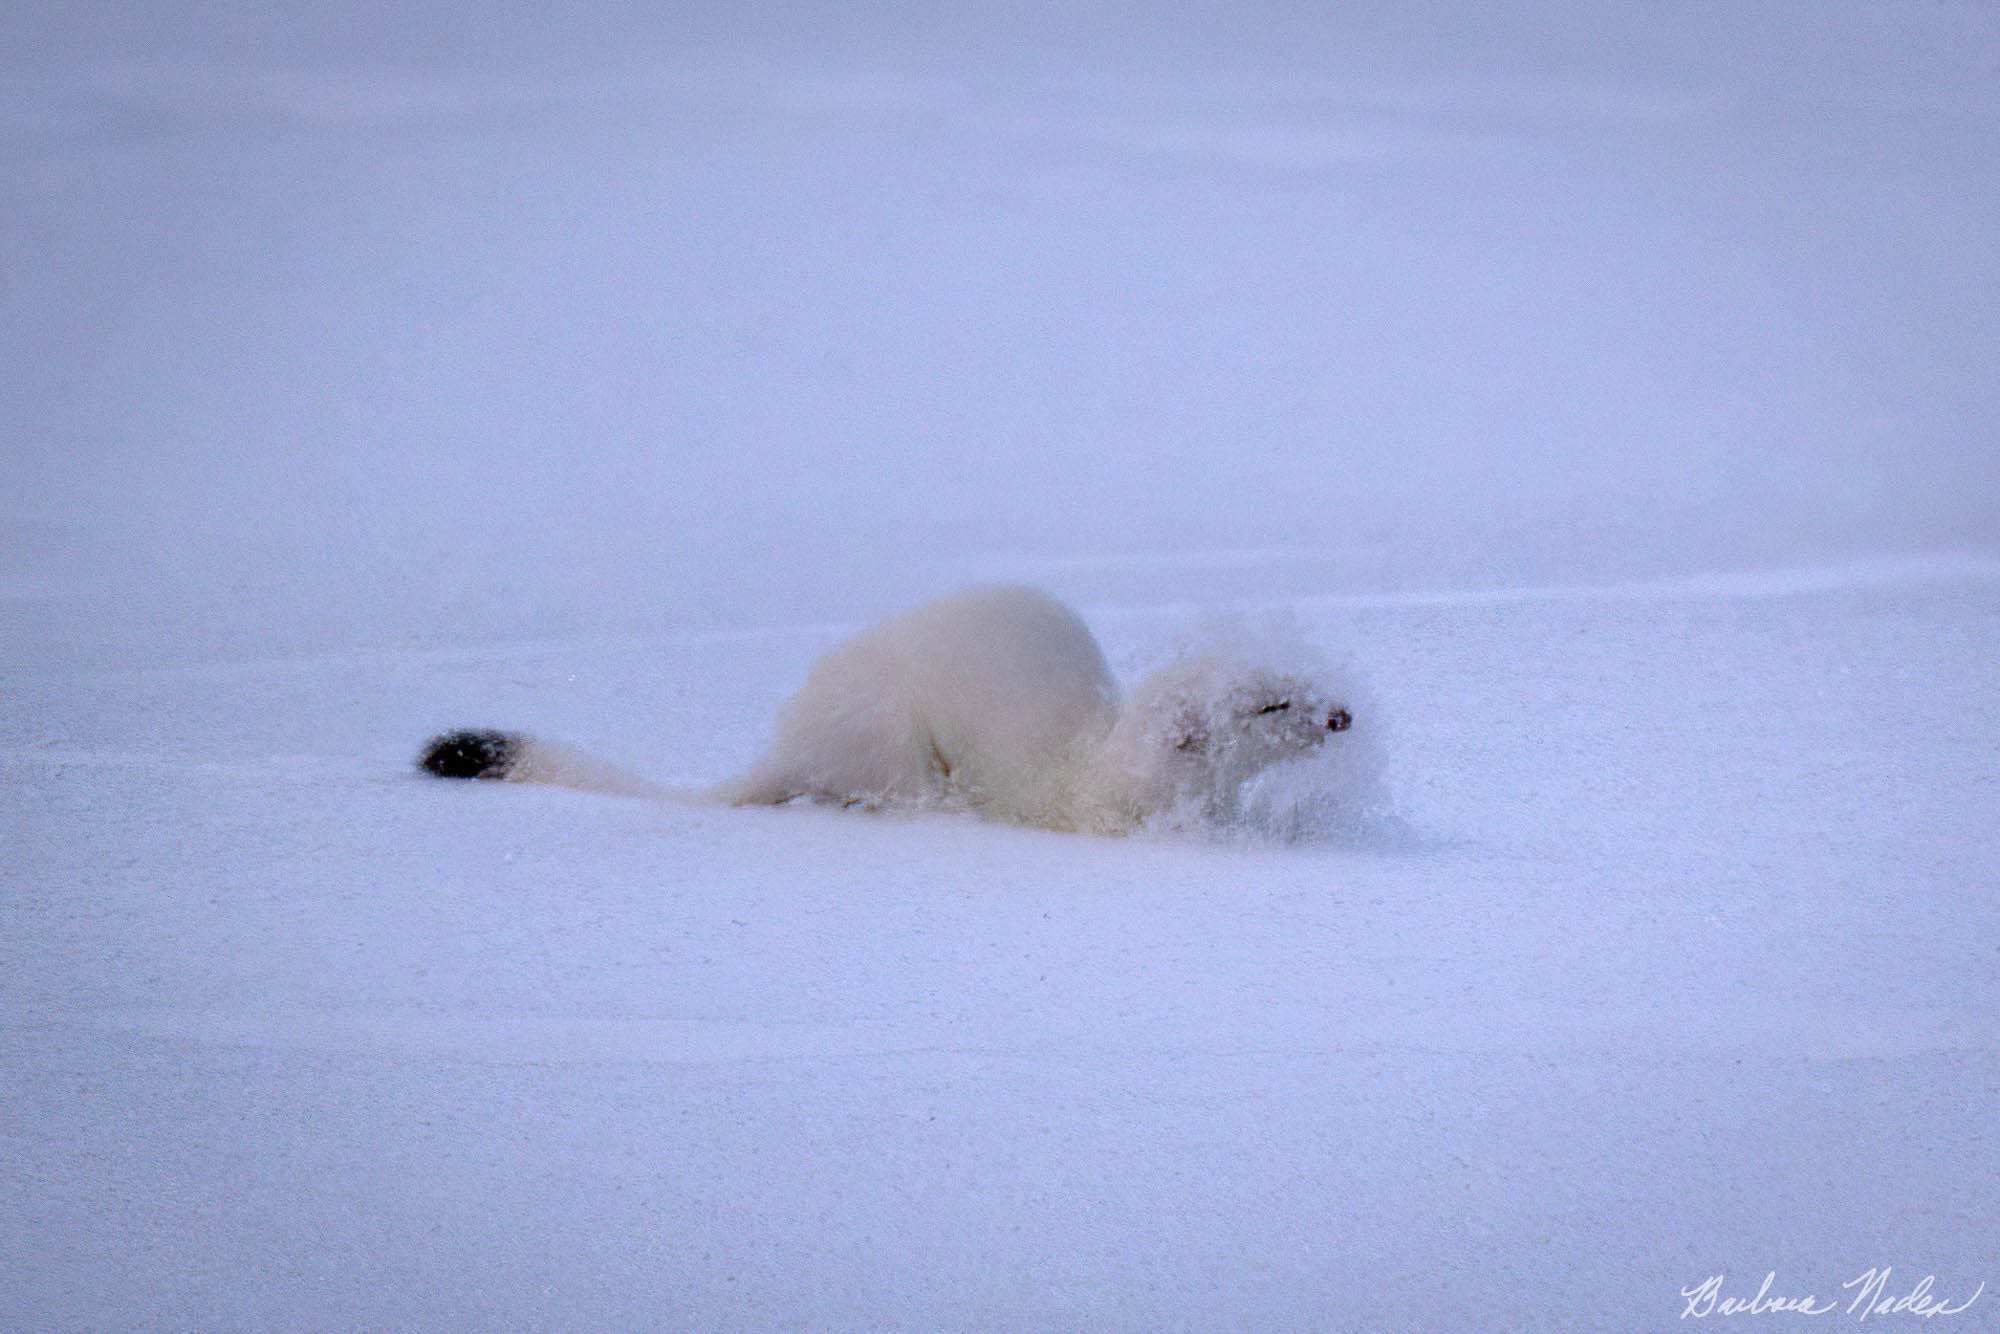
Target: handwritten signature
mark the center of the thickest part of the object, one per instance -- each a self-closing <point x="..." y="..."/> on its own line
<point x="1872" y="1296"/>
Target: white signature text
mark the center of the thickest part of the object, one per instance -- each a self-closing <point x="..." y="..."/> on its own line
<point x="1872" y="1296"/>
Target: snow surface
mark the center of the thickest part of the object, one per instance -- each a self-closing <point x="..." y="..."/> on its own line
<point x="1610" y="390"/>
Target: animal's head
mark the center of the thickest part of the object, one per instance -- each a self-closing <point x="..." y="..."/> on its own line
<point x="1203" y="726"/>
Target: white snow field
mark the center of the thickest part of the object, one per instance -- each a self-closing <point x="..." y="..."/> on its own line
<point x="1606" y="392"/>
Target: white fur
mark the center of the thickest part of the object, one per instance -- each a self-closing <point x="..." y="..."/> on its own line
<point x="539" y="761"/>
<point x="998" y="700"/>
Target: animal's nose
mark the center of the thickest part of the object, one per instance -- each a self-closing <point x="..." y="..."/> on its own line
<point x="1338" y="721"/>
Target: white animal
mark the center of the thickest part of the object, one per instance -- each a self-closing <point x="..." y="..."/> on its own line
<point x="997" y="701"/>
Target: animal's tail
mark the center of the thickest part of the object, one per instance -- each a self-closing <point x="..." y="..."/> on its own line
<point x="516" y="757"/>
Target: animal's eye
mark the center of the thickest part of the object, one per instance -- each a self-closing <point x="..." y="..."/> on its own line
<point x="1274" y="708"/>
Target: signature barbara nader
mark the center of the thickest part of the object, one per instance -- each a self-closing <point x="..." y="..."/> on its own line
<point x="1871" y="1295"/>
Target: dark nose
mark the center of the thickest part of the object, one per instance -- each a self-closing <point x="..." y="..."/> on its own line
<point x="1337" y="721"/>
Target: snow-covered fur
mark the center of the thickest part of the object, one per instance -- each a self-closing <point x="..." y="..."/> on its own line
<point x="1195" y="732"/>
<point x="997" y="701"/>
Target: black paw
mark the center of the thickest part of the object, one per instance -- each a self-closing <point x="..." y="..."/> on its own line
<point x="470" y="754"/>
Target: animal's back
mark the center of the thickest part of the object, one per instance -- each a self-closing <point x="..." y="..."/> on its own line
<point x="987" y="695"/>
<point x="1010" y="680"/>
